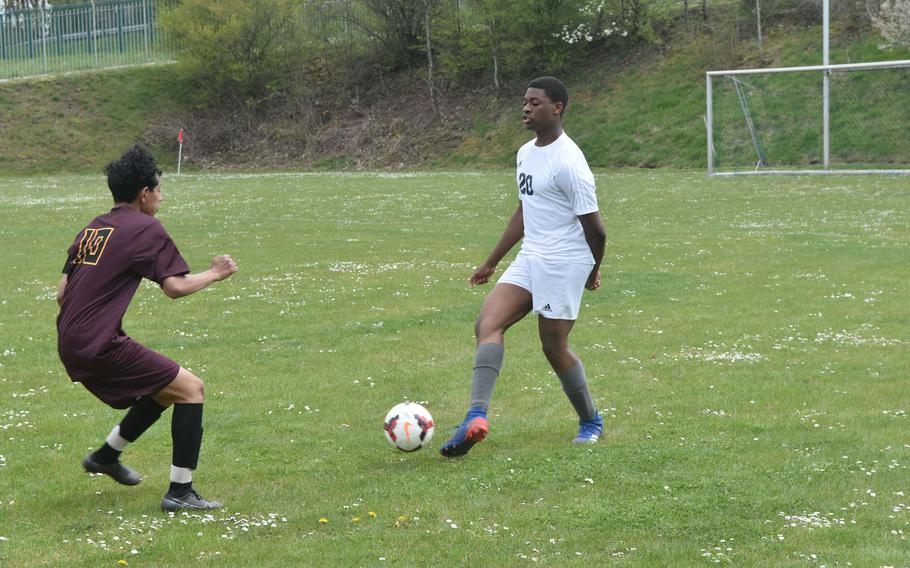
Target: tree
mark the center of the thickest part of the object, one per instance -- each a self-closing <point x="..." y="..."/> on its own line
<point x="396" y="25"/>
<point x="758" y="25"/>
<point x="428" y="7"/>
<point x="236" y="49"/>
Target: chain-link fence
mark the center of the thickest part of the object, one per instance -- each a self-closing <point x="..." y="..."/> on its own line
<point x="95" y="35"/>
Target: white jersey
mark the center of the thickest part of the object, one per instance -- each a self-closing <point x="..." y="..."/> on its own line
<point x="555" y="186"/>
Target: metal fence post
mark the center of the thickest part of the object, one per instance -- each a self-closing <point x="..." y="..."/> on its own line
<point x="119" y="8"/>
<point x="44" y="37"/>
<point x="147" y="28"/>
<point x="30" y="37"/>
<point x="94" y="35"/>
<point x="87" y="24"/>
<point x="59" y="28"/>
<point x="2" y="37"/>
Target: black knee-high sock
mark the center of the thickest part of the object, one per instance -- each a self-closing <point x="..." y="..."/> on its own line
<point x="138" y="419"/>
<point x="186" y="433"/>
<point x="107" y="454"/>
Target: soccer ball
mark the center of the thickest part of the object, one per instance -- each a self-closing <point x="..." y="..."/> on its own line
<point x="408" y="426"/>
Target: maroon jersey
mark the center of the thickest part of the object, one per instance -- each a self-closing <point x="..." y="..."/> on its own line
<point x="106" y="263"/>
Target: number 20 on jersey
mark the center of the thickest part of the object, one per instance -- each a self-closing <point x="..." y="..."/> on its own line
<point x="525" y="185"/>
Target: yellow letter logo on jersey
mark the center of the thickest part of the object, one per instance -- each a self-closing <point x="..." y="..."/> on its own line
<point x="91" y="247"/>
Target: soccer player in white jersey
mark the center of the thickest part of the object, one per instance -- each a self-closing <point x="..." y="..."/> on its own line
<point x="563" y="244"/>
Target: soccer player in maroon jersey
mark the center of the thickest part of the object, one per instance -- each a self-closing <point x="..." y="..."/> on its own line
<point x="106" y="262"/>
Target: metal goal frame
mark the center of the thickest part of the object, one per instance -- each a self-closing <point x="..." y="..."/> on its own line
<point x="826" y="71"/>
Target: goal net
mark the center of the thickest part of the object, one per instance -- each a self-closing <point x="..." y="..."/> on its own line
<point x="779" y="121"/>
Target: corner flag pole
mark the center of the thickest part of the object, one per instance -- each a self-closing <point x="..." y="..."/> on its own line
<point x="179" y="150"/>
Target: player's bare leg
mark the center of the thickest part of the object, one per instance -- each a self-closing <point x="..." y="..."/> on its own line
<point x="554" y="339"/>
<point x="506" y="305"/>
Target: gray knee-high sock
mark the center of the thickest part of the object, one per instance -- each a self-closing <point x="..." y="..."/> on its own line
<point x="487" y="363"/>
<point x="576" y="388"/>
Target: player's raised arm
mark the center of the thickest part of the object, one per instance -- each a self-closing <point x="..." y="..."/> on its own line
<point x="184" y="285"/>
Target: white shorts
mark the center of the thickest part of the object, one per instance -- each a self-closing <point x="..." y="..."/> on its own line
<point x="555" y="287"/>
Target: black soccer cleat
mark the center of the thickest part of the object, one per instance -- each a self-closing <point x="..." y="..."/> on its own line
<point x="190" y="501"/>
<point x="117" y="471"/>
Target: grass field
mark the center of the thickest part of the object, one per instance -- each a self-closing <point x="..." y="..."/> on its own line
<point x="748" y="350"/>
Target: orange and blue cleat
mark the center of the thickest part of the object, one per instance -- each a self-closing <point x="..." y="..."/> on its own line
<point x="473" y="429"/>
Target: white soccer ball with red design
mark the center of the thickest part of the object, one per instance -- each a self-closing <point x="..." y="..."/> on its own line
<point x="408" y="426"/>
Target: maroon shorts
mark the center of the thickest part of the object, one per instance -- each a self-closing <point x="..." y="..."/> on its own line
<point x="122" y="373"/>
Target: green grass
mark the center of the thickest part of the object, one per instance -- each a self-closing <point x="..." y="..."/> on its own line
<point x="748" y="351"/>
<point x="77" y="122"/>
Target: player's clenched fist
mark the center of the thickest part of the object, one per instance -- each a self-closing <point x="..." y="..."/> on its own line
<point x="223" y="265"/>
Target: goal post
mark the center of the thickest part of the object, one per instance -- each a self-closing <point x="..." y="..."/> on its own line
<point x="819" y="119"/>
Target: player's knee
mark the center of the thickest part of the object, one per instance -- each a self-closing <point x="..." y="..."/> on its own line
<point x="197" y="391"/>
<point x="548" y="350"/>
<point x="191" y="390"/>
<point x="478" y="328"/>
<point x="484" y="328"/>
<point x="552" y="349"/>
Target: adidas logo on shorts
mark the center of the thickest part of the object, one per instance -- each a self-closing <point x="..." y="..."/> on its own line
<point x="546" y="308"/>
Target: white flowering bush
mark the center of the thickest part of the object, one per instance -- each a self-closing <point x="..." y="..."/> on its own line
<point x="585" y="32"/>
<point x="603" y="21"/>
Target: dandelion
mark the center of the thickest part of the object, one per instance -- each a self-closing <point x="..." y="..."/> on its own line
<point x="122" y="562"/>
<point x="372" y="514"/>
<point x="355" y="519"/>
<point x="323" y="520"/>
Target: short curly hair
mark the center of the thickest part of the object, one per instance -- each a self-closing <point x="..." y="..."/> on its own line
<point x="135" y="170"/>
<point x="555" y="89"/>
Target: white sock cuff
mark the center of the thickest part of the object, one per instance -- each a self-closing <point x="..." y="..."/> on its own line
<point x="116" y="441"/>
<point x="181" y="474"/>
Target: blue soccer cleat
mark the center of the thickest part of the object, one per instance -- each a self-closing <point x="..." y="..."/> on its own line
<point x="589" y="431"/>
<point x="473" y="429"/>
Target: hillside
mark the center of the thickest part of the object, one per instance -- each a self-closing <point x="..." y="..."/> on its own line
<point x="644" y="109"/>
<point x="77" y="123"/>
